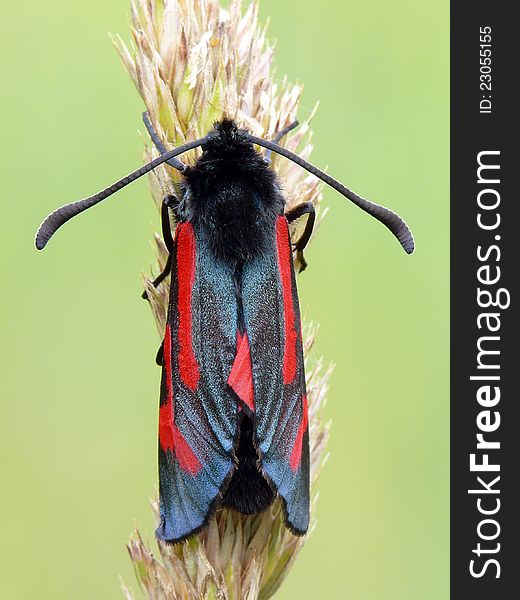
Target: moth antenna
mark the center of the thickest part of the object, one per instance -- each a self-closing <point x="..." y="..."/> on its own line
<point x="386" y="216"/>
<point x="61" y="215"/>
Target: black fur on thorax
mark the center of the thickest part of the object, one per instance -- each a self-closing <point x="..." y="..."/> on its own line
<point x="232" y="193"/>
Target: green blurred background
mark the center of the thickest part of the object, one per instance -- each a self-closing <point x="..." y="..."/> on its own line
<point x="79" y="386"/>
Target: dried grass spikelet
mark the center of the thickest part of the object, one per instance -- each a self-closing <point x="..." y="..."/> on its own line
<point x="194" y="62"/>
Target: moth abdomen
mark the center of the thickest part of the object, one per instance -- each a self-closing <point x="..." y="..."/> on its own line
<point x="248" y="491"/>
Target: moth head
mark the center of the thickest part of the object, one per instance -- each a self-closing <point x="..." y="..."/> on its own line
<point x="227" y="140"/>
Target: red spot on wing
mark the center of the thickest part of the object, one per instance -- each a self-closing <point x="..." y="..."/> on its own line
<point x="296" y="454"/>
<point x="188" y="461"/>
<point x="186" y="255"/>
<point x="241" y="377"/>
<point x="285" y="269"/>
<point x="166" y="409"/>
<point x="170" y="438"/>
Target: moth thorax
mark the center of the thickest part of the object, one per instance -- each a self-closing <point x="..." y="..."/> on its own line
<point x="237" y="221"/>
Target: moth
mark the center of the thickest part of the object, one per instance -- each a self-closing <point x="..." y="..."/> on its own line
<point x="233" y="420"/>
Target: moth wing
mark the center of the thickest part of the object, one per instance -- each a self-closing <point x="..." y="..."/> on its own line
<point x="198" y="415"/>
<point x="272" y="318"/>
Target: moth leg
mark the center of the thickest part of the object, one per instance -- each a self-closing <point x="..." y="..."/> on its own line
<point x="278" y="137"/>
<point x="300" y="245"/>
<point x="168" y="241"/>
<point x="159" y="357"/>
<point x="164" y="273"/>
<point x="173" y="162"/>
<point x="170" y="201"/>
